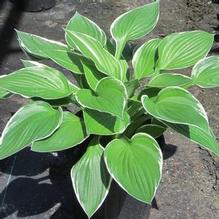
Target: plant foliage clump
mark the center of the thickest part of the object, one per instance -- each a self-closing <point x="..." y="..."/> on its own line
<point x="121" y="120"/>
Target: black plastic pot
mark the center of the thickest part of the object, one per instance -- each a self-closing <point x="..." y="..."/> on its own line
<point x="215" y="1"/>
<point x="34" y="5"/>
<point x="120" y="205"/>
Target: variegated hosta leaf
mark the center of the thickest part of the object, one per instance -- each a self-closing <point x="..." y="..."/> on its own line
<point x="206" y="139"/>
<point x="70" y="133"/>
<point x="84" y="25"/>
<point x="39" y="81"/>
<point x="176" y="105"/>
<point x="32" y="122"/>
<point x="91" y="74"/>
<point x="136" y="165"/>
<point x="92" y="49"/>
<point x="28" y="44"/>
<point x="50" y="49"/>
<point x="144" y="59"/>
<point x="30" y="63"/>
<point x="169" y="79"/>
<point x="90" y="178"/>
<point x="99" y="123"/>
<point x="184" y="113"/>
<point x="134" y="24"/>
<point x="110" y="97"/>
<point x="181" y="50"/>
<point x="206" y="72"/>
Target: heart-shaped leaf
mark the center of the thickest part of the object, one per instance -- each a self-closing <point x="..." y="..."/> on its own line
<point x="39" y="81"/>
<point x="110" y="97"/>
<point x="178" y="109"/>
<point x="99" y="123"/>
<point x="84" y="25"/>
<point x="92" y="49"/>
<point x="50" y="49"/>
<point x="206" y="72"/>
<point x="70" y="133"/>
<point x="206" y="139"/>
<point x="32" y="122"/>
<point x="90" y="178"/>
<point x="181" y="50"/>
<point x="144" y="59"/>
<point x="134" y="24"/>
<point x="136" y="165"/>
<point x="176" y="105"/>
<point x="169" y="79"/>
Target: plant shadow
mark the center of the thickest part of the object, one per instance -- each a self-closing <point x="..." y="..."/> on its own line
<point x="40" y="185"/>
<point x="169" y="151"/>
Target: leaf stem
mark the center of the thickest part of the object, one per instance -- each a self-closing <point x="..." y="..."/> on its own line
<point x="116" y="136"/>
<point x="120" y="45"/>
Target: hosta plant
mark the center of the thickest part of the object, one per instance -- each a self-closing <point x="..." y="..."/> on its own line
<point x="122" y="113"/>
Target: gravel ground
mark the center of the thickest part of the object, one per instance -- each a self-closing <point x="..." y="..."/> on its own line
<point x="190" y="184"/>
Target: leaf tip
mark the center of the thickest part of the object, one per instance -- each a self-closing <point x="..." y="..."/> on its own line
<point x="144" y="97"/>
<point x="16" y="30"/>
<point x="77" y="14"/>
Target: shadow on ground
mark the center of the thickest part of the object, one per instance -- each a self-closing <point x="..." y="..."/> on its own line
<point x="38" y="183"/>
